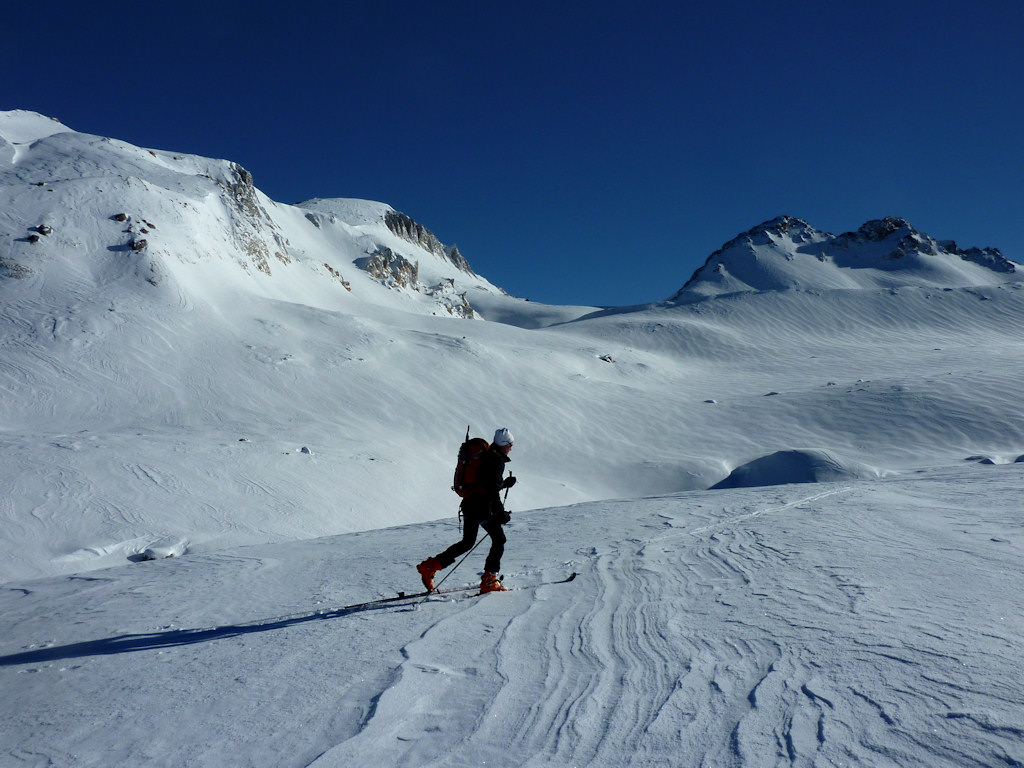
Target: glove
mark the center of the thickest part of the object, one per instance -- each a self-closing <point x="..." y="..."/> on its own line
<point x="499" y="514"/>
<point x="509" y="482"/>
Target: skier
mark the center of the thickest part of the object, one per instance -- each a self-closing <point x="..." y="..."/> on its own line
<point x="483" y="508"/>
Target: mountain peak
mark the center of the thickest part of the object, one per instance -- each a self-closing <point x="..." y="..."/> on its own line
<point x="787" y="253"/>
<point x="879" y="229"/>
<point x="791" y="227"/>
<point x="784" y="224"/>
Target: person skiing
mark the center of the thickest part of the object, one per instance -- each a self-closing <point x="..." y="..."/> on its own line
<point x="482" y="508"/>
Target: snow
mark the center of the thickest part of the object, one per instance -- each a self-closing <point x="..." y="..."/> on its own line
<point x="864" y="623"/>
<point x="21" y="126"/>
<point x="213" y="445"/>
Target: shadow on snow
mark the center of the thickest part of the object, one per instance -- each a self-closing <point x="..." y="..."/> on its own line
<point x="181" y="637"/>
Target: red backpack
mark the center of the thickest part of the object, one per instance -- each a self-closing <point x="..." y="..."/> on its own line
<point x="471" y="454"/>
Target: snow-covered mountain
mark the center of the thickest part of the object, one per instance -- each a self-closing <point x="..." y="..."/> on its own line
<point x="172" y="339"/>
<point x="189" y="225"/>
<point x="791" y="492"/>
<point x="788" y="253"/>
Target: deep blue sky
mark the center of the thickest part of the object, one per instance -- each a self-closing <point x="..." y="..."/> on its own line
<point x="577" y="152"/>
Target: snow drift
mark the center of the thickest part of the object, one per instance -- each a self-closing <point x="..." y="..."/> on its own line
<point x="786" y="467"/>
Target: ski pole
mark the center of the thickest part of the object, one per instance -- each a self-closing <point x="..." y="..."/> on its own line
<point x="438" y="586"/>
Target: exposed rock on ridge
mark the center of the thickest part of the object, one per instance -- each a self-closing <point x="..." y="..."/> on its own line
<point x="911" y="241"/>
<point x="407" y="229"/>
<point x="251" y="224"/>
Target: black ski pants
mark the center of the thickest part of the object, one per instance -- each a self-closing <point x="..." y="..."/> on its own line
<point x="474" y="518"/>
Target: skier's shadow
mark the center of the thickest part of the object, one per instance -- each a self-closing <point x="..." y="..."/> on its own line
<point x="177" y="637"/>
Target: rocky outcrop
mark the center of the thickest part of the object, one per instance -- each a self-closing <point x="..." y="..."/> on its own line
<point x="456" y="258"/>
<point x="393" y="269"/>
<point x="907" y="240"/>
<point x="396" y="271"/>
<point x="797" y="230"/>
<point x="987" y="257"/>
<point x="450" y="301"/>
<point x="242" y="190"/>
<point x="251" y="224"/>
<point x="407" y="229"/>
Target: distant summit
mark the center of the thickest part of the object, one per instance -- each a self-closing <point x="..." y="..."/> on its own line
<point x="787" y="253"/>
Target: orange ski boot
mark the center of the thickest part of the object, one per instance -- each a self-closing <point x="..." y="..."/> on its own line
<point x="490" y="583"/>
<point x="427" y="569"/>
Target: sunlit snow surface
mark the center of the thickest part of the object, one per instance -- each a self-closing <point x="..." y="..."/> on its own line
<point x="209" y="450"/>
<point x="865" y="623"/>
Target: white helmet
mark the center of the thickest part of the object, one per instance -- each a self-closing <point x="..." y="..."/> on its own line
<point x="502" y="437"/>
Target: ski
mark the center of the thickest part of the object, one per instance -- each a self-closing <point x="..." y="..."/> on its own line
<point x="424" y="594"/>
<point x="516" y="588"/>
<point x="404" y="596"/>
<point x="566" y="580"/>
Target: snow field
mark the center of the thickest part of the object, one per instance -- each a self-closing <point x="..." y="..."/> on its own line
<point x="867" y="623"/>
<point x="163" y="395"/>
<point x="202" y="431"/>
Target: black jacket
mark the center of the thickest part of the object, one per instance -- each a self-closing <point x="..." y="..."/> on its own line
<point x="491" y="482"/>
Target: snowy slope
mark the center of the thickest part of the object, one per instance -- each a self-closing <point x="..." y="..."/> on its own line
<point x="275" y="395"/>
<point x="134" y="374"/>
<point x="853" y="623"/>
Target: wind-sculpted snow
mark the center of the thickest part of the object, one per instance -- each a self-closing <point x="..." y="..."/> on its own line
<point x="770" y="632"/>
<point x="785" y="467"/>
<point x="860" y="623"/>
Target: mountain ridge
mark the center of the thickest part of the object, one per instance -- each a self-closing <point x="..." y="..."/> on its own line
<point x="788" y="253"/>
<point x="215" y="207"/>
<point x="191" y="222"/>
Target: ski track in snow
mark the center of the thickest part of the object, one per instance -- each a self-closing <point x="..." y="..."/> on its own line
<point x="657" y="658"/>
